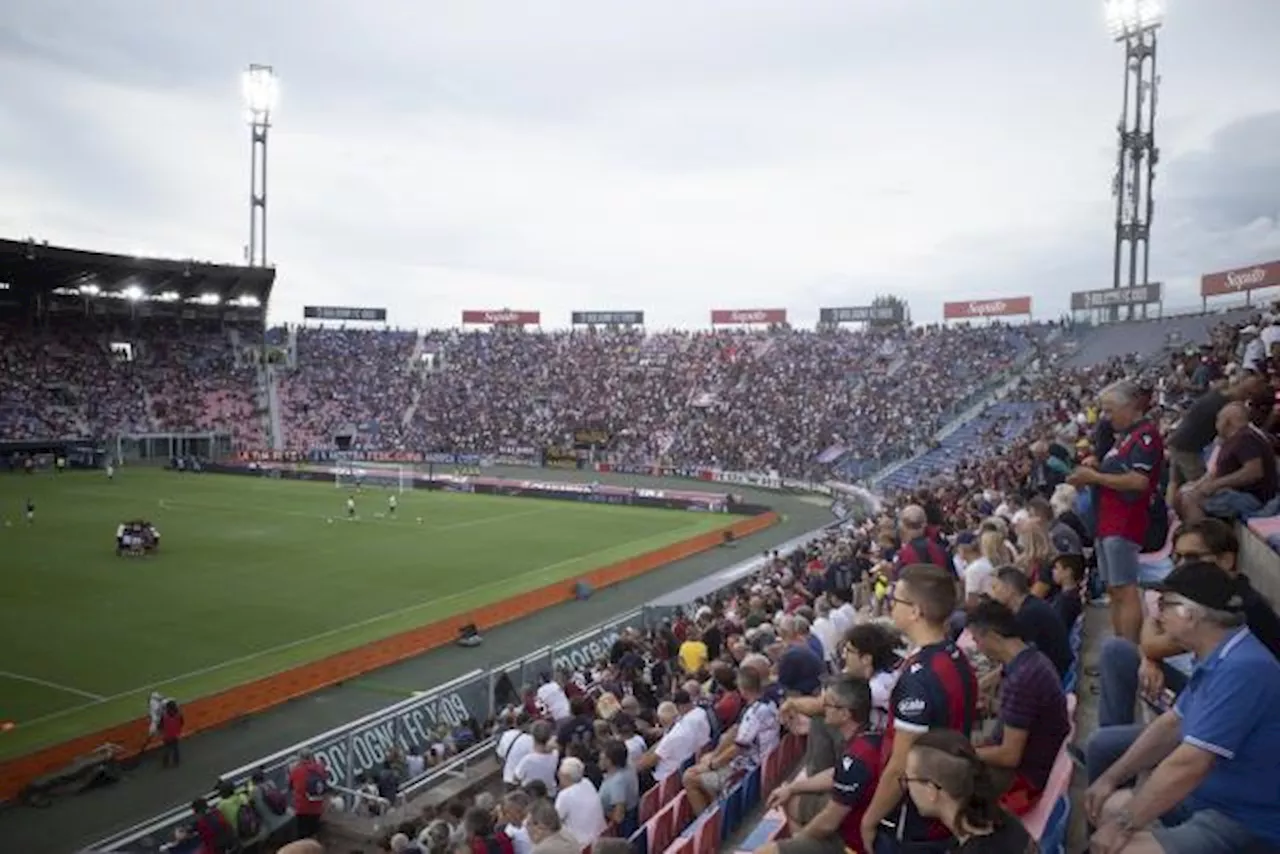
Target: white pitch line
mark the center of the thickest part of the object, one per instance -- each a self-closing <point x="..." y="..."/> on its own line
<point x="57" y="686"/>
<point x="180" y="503"/>
<point x="253" y="656"/>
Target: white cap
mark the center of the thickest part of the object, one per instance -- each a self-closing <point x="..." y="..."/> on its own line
<point x="1249" y="330"/>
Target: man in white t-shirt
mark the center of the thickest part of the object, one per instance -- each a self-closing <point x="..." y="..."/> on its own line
<point x="553" y="698"/>
<point x="513" y="745"/>
<point x="685" y="736"/>
<point x="578" y="803"/>
<point x="843" y="618"/>
<point x="541" y="762"/>
<point x="825" y="630"/>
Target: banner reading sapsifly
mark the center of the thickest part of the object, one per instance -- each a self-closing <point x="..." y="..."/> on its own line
<point x="1241" y="279"/>
<point x="733" y="317"/>
<point x="1109" y="297"/>
<point x="502" y="317"/>
<point x="608" y="318"/>
<point x="862" y="314"/>
<point x="1003" y="307"/>
<point x="330" y="455"/>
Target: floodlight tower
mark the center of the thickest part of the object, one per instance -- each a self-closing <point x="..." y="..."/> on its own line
<point x="1134" y="24"/>
<point x="261" y="90"/>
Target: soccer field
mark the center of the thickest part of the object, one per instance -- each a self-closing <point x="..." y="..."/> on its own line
<point x="252" y="577"/>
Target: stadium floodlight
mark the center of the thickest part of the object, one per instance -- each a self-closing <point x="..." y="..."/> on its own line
<point x="209" y="299"/>
<point x="133" y="293"/>
<point x="167" y="296"/>
<point x="261" y="90"/>
<point x="247" y="302"/>
<point x="90" y="290"/>
<point x="1128" y="17"/>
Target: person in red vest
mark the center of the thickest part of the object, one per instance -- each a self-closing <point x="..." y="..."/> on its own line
<point x="170" y="732"/>
<point x="309" y="783"/>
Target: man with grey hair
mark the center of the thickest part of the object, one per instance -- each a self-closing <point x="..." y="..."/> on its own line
<point x="1214" y="781"/>
<point x="578" y="803"/>
<point x="548" y="835"/>
<point x="918" y="544"/>
<point x="1126" y="480"/>
<point x="540" y="762"/>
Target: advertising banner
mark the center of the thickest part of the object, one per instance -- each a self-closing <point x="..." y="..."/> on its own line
<point x="608" y="318"/>
<point x="862" y="314"/>
<point x="343" y="312"/>
<point x="1006" y="307"/>
<point x="1108" y="297"/>
<point x="1251" y="278"/>
<point x="503" y="317"/>
<point x="739" y="317"/>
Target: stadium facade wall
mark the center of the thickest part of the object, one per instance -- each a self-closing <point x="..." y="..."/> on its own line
<point x="261" y="694"/>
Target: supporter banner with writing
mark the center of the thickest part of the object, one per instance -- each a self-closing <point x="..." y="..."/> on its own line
<point x="608" y="318"/>
<point x="728" y="317"/>
<point x="1005" y="307"/>
<point x="343" y="312"/>
<point x="555" y="457"/>
<point x="1241" y="279"/>
<point x="326" y="455"/>
<point x="591" y="437"/>
<point x="1108" y="297"/>
<point x="862" y="314"/>
<point x="504" y="317"/>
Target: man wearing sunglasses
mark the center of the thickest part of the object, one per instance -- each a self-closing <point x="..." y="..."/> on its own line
<point x="1159" y="661"/>
<point x="1214" y="783"/>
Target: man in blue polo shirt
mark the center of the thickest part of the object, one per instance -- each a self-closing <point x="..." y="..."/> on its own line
<point x="1214" y="786"/>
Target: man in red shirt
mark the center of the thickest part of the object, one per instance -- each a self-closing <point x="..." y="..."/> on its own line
<point x="936" y="689"/>
<point x="1126" y="480"/>
<point x="918" y="544"/>
<point x="309" y="783"/>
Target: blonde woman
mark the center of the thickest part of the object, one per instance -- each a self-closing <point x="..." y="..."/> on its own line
<point x="1036" y="559"/>
<point x="978" y="575"/>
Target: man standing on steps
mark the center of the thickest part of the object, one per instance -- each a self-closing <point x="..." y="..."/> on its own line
<point x="1127" y="478"/>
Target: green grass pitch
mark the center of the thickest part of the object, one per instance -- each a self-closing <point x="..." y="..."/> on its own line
<point x="251" y="578"/>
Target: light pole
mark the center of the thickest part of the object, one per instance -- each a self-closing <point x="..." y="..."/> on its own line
<point x="261" y="90"/>
<point x="1134" y="24"/>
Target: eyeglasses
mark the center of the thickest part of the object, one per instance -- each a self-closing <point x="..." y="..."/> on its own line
<point x="895" y="599"/>
<point x="1164" y="603"/>
<point x="904" y="782"/>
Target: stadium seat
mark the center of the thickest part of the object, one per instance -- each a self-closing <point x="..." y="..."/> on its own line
<point x="1054" y="838"/>
<point x="772" y="826"/>
<point x="650" y="801"/>
<point x="1059" y="785"/>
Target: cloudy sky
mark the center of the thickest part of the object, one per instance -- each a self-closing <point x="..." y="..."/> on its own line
<point x="435" y="155"/>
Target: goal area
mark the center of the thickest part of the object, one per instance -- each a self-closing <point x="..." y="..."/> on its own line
<point x="396" y="478"/>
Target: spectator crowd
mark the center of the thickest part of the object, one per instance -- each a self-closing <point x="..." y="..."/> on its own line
<point x="925" y="655"/>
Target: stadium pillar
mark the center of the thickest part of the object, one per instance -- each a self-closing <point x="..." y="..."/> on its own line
<point x="260" y="92"/>
<point x="1134" y="24"/>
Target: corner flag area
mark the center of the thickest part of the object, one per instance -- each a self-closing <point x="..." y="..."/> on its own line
<point x="253" y="576"/>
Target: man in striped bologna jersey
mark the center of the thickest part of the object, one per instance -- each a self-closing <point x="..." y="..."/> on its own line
<point x="936" y="689"/>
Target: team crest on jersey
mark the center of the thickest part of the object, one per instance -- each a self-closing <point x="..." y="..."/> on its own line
<point x="916" y="667"/>
<point x="847" y="762"/>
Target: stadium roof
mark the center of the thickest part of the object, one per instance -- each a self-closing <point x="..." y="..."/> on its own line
<point x="29" y="268"/>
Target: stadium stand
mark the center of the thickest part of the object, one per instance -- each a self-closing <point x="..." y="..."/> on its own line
<point x="718" y="679"/>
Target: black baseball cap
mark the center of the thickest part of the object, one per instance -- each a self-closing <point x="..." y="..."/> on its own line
<point x="1205" y="584"/>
